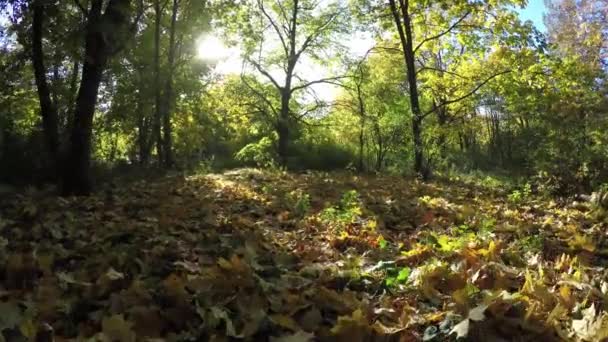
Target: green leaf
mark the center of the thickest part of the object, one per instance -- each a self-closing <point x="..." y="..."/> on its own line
<point x="404" y="274"/>
<point x="382" y="242"/>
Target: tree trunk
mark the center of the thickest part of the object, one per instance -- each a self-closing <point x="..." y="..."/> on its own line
<point x="48" y="110"/>
<point x="99" y="33"/>
<point x="417" y="118"/>
<point x="142" y="127"/>
<point x="168" y="103"/>
<point x="69" y="111"/>
<point x="156" y="131"/>
<point x="361" y="126"/>
<point x="405" y="36"/>
<point x="283" y="129"/>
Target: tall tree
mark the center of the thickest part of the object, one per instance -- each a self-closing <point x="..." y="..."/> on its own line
<point x="168" y="98"/>
<point x="48" y="109"/>
<point x="420" y="23"/>
<point x="158" y="110"/>
<point x="288" y="32"/>
<point x="106" y="32"/>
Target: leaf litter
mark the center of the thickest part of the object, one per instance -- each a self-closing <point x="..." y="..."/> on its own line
<point x="273" y="256"/>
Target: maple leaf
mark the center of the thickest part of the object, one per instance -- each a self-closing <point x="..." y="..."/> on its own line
<point x="592" y="326"/>
<point x="462" y="329"/>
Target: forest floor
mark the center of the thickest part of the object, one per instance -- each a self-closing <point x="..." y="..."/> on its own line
<point x="271" y="256"/>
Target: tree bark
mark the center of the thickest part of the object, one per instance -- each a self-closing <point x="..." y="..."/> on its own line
<point x="283" y="128"/>
<point x="142" y="125"/>
<point x="362" y="116"/>
<point x="69" y="114"/>
<point x="48" y="109"/>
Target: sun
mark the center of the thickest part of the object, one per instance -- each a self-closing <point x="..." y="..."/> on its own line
<point x="212" y="49"/>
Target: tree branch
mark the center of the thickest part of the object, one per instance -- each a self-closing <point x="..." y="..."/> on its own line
<point x="265" y="73"/>
<point x="328" y="80"/>
<point x="472" y="92"/>
<point x="274" y="25"/>
<point x="440" y="70"/>
<point x="313" y="36"/>
<point x="260" y="95"/>
<point x="441" y="34"/>
<point x="317" y="106"/>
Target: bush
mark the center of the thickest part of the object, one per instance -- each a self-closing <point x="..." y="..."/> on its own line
<point x="260" y="154"/>
<point x="325" y="156"/>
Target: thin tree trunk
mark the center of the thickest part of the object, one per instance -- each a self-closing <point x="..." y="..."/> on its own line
<point x="156" y="132"/>
<point x="168" y="103"/>
<point x="283" y="129"/>
<point x="48" y="110"/>
<point x="362" y="115"/>
<point x="142" y="126"/>
<point x="69" y="121"/>
<point x="405" y="36"/>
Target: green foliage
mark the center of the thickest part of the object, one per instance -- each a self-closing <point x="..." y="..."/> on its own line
<point x="260" y="153"/>
<point x="519" y="195"/>
<point x="531" y="243"/>
<point x="396" y="276"/>
<point x="299" y="202"/>
<point x="321" y="155"/>
<point x="348" y="210"/>
<point x="382" y="243"/>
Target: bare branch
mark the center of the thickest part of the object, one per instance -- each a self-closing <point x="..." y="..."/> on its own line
<point x="441" y="34"/>
<point x="316" y="107"/>
<point x="265" y="73"/>
<point x="328" y="80"/>
<point x="260" y="95"/>
<point x="472" y="92"/>
<point x="314" y="35"/>
<point x="441" y="70"/>
<point x="274" y="25"/>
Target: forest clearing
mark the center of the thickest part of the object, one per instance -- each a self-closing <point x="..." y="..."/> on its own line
<point x="303" y="170"/>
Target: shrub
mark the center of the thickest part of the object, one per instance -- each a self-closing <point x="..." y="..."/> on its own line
<point x="261" y="153"/>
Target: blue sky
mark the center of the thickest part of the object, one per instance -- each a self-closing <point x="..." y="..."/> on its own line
<point x="534" y="11"/>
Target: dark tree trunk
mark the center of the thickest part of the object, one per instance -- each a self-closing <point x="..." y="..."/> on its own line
<point x="168" y="103"/>
<point x="48" y="109"/>
<point x="142" y="126"/>
<point x="380" y="146"/>
<point x="69" y="114"/>
<point x="156" y="130"/>
<point x="405" y="36"/>
<point x="283" y="129"/>
<point x="102" y="31"/>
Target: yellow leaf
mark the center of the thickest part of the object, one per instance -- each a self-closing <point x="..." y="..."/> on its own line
<point x="583" y="242"/>
<point x="225" y="264"/>
<point x="566" y="295"/>
<point x="461" y="298"/>
<point x="284" y="321"/>
<point x="346" y="324"/>
<point x="28" y="329"/>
